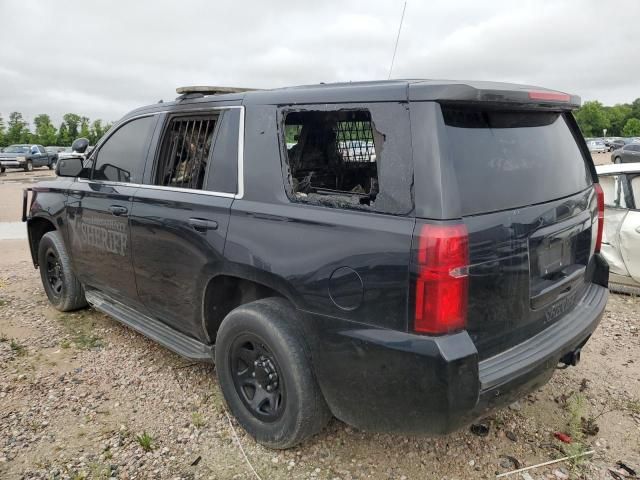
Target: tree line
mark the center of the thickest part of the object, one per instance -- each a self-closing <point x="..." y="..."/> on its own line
<point x="18" y="130"/>
<point x="621" y="120"/>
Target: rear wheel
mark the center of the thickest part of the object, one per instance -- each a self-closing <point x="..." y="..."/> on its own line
<point x="64" y="290"/>
<point x="28" y="166"/>
<point x="52" y="165"/>
<point x="266" y="376"/>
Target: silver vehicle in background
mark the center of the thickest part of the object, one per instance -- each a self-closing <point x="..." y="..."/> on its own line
<point x="597" y="146"/>
<point x="621" y="235"/>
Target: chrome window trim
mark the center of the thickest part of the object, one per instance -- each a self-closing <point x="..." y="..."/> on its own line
<point x="240" y="160"/>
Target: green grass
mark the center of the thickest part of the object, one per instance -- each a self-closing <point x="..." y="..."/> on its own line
<point x="198" y="420"/>
<point x="80" y="328"/>
<point x="576" y="407"/>
<point x="146" y="441"/>
<point x="634" y="406"/>
<point x="18" y="349"/>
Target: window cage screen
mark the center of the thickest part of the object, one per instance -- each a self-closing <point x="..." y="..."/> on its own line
<point x="185" y="152"/>
<point x="354" y="141"/>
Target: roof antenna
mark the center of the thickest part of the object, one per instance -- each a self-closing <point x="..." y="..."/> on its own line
<point x="395" y="49"/>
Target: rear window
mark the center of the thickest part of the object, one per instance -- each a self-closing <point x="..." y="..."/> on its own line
<point x="510" y="159"/>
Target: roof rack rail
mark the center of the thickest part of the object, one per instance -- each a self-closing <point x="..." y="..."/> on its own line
<point x="210" y="90"/>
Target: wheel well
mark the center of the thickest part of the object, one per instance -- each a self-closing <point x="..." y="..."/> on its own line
<point x="37" y="228"/>
<point x="224" y="293"/>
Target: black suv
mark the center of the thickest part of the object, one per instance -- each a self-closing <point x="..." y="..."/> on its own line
<point x="404" y="255"/>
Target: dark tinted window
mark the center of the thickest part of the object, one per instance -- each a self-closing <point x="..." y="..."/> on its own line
<point x="185" y="151"/>
<point x="507" y="159"/>
<point x="121" y="158"/>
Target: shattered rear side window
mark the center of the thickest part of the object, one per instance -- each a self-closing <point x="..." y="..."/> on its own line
<point x="332" y="158"/>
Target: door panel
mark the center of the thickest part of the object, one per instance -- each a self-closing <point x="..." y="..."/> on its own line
<point x="177" y="240"/>
<point x="179" y="225"/>
<point x="613" y="219"/>
<point x="630" y="243"/>
<point x="99" y="237"/>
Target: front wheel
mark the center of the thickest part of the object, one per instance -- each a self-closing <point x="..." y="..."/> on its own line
<point x="265" y="373"/>
<point x="28" y="166"/>
<point x="617" y="160"/>
<point x="64" y="290"/>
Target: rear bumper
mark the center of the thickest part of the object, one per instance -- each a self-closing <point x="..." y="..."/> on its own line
<point x="383" y="380"/>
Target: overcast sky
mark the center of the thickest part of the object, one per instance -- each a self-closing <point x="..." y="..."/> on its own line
<point x="103" y="58"/>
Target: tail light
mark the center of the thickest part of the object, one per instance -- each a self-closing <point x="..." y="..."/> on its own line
<point x="600" y="198"/>
<point x="442" y="279"/>
<point x="549" y="96"/>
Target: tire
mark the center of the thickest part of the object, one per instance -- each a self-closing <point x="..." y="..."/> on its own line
<point x="617" y="160"/>
<point x="3" y="169"/>
<point x="266" y="331"/>
<point x="64" y="290"/>
<point x="52" y="165"/>
<point x="28" y="167"/>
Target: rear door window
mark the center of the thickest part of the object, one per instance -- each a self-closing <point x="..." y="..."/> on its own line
<point x="349" y="156"/>
<point x="616" y="192"/>
<point x="510" y="159"/>
<point x="185" y="151"/>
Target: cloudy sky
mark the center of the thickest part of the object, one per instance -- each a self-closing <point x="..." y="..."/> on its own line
<point x="103" y="58"/>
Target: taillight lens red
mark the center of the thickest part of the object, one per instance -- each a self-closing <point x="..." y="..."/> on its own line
<point x="442" y="281"/>
<point x="600" y="198"/>
<point x="548" y="95"/>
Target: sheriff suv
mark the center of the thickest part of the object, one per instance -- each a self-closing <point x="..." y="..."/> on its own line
<point x="403" y="255"/>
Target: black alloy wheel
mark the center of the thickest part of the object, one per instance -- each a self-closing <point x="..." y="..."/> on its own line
<point x="54" y="273"/>
<point x="256" y="377"/>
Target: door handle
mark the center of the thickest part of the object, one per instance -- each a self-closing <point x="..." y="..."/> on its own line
<point x="202" y="224"/>
<point x="118" y="210"/>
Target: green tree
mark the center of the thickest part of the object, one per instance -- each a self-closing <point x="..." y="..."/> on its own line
<point x="592" y="119"/>
<point x="45" y="131"/>
<point x="63" y="138"/>
<point x="635" y="108"/>
<point x="17" y="129"/>
<point x="97" y="131"/>
<point x="2" y="134"/>
<point x="618" y="116"/>
<point x="72" y="122"/>
<point x="631" y="128"/>
<point x="85" y="131"/>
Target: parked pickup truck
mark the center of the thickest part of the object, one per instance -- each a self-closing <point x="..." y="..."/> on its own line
<point x="27" y="157"/>
<point x="442" y="271"/>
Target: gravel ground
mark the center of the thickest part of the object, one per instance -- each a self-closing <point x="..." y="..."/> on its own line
<point x="81" y="396"/>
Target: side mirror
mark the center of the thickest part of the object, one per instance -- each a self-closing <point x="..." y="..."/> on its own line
<point x="80" y="145"/>
<point x="70" y="167"/>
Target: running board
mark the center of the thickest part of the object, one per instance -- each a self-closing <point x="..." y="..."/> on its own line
<point x="174" y="340"/>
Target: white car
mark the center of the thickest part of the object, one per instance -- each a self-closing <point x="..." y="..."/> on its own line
<point x="597" y="146"/>
<point x="621" y="235"/>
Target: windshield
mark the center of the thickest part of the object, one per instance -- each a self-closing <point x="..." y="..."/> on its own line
<point x="17" y="149"/>
<point x="509" y="159"/>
